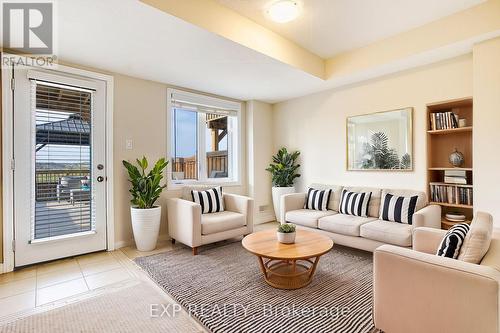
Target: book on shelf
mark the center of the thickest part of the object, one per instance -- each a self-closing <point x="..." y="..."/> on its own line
<point x="455" y="180"/>
<point x="451" y="194"/>
<point x="443" y="120"/>
<point x="455" y="177"/>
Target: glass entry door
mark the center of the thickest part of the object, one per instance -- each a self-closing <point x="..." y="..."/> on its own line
<point x="59" y="148"/>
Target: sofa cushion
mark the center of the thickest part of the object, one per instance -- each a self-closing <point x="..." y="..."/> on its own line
<point x="186" y="190"/>
<point x="222" y="221"/>
<point x="453" y="240"/>
<point x="306" y="217"/>
<point x="210" y="200"/>
<point x="387" y="232"/>
<point x="343" y="224"/>
<point x="478" y="239"/>
<point x="398" y="208"/>
<point x="354" y="203"/>
<point x="333" y="203"/>
<point x="317" y="199"/>
<point x="421" y="201"/>
<point x="374" y="205"/>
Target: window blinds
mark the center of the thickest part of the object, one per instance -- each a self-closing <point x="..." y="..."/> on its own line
<point x="205" y="104"/>
<point x="62" y="193"/>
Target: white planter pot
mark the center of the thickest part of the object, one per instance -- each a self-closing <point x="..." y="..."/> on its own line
<point x="146" y="226"/>
<point x="277" y="193"/>
<point x="286" y="238"/>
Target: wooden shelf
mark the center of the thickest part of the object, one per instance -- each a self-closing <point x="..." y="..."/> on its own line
<point x="445" y="224"/>
<point x="448" y="184"/>
<point x="450" y="205"/>
<point x="450" y="168"/>
<point x="451" y="130"/>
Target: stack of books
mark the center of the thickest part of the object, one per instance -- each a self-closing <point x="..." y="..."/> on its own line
<point x="443" y="120"/>
<point x="451" y="194"/>
<point x="455" y="177"/>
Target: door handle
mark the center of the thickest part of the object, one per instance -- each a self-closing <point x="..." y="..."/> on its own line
<point x="100" y="179"/>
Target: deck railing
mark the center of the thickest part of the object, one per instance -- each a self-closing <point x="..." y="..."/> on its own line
<point x="186" y="167"/>
<point x="46" y="182"/>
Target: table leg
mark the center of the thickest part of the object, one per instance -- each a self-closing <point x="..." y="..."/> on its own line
<point x="313" y="268"/>
<point x="262" y="267"/>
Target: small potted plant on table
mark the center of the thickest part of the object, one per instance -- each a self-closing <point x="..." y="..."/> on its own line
<point x="145" y="190"/>
<point x="286" y="233"/>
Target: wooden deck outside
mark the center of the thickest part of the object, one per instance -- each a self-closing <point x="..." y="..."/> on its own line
<point x="217" y="161"/>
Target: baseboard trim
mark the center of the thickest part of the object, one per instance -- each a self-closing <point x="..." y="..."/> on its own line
<point x="130" y="242"/>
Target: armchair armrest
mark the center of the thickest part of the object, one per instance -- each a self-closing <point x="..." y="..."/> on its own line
<point x="429" y="216"/>
<point x="290" y="202"/>
<point x="427" y="240"/>
<point x="420" y="292"/>
<point x="240" y="204"/>
<point x="184" y="221"/>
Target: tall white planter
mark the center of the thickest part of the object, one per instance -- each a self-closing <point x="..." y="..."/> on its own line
<point x="277" y="193"/>
<point x="146" y="226"/>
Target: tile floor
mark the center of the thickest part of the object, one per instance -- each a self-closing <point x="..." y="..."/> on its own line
<point x="52" y="284"/>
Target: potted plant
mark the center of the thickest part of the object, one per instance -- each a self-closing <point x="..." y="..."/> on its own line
<point x="145" y="190"/>
<point x="286" y="233"/>
<point x="284" y="172"/>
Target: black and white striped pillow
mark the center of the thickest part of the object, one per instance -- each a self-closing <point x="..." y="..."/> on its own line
<point x="453" y="240"/>
<point x="317" y="199"/>
<point x="398" y="209"/>
<point x="354" y="203"/>
<point x="210" y="200"/>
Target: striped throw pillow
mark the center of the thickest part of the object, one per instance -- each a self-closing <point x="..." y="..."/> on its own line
<point x="317" y="199"/>
<point x="398" y="209"/>
<point x="354" y="203"/>
<point x="453" y="240"/>
<point x="210" y="200"/>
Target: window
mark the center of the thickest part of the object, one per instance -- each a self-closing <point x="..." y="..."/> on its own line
<point x="204" y="135"/>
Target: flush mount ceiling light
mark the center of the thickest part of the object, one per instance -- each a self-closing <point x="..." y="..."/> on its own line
<point x="283" y="11"/>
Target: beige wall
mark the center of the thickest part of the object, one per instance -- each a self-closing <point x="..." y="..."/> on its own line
<point x="316" y="124"/>
<point x="259" y="152"/>
<point x="486" y="127"/>
<point x="140" y="115"/>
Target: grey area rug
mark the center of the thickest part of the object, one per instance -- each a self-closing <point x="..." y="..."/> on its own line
<point x="124" y="310"/>
<point x="224" y="290"/>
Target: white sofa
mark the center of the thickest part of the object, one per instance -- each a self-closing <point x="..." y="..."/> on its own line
<point x="189" y="226"/>
<point x="366" y="233"/>
<point x="418" y="291"/>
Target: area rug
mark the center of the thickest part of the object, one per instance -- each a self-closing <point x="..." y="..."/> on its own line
<point x="223" y="288"/>
<point x="128" y="309"/>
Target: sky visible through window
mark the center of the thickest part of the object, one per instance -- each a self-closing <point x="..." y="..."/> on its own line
<point x="186" y="134"/>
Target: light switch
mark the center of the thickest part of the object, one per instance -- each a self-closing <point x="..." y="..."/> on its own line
<point x="128" y="144"/>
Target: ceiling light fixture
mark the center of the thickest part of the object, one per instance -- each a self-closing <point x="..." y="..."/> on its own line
<point x="283" y="11"/>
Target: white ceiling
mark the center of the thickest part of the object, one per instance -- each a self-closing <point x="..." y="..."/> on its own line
<point x="328" y="27"/>
<point x="129" y="37"/>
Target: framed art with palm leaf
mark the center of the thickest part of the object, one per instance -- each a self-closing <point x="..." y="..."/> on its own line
<point x="381" y="141"/>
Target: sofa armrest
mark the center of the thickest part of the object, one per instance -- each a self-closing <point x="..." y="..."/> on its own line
<point x="420" y="292"/>
<point x="184" y="221"/>
<point x="427" y="240"/>
<point x="290" y="202"/>
<point x="240" y="204"/>
<point x="429" y="216"/>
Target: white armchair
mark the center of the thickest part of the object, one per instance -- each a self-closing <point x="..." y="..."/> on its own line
<point x="418" y="291"/>
<point x="189" y="226"/>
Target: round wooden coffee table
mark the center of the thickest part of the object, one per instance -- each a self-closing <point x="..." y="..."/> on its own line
<point x="287" y="266"/>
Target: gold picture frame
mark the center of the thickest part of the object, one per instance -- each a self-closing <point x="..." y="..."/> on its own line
<point x="380" y="141"/>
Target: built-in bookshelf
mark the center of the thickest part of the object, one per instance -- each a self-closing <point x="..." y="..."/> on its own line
<point x="449" y="127"/>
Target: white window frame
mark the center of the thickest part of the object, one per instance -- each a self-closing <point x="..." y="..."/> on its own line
<point x="234" y="140"/>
